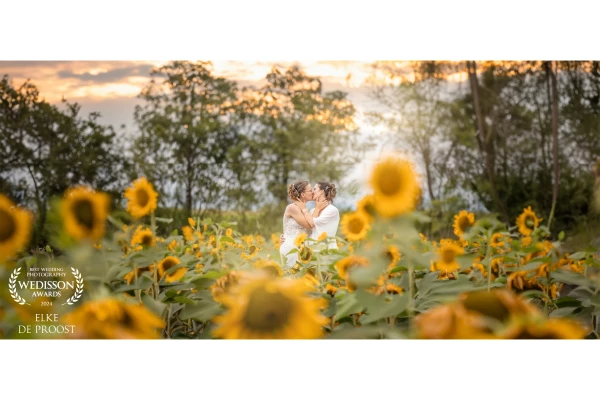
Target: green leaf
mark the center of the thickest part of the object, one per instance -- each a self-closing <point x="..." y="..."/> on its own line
<point x="202" y="311"/>
<point x="348" y="305"/>
<point x="227" y="239"/>
<point x="568" y="302"/>
<point x="561" y="235"/>
<point x="166" y="220"/>
<point x="379" y="307"/>
<point x="157" y="307"/>
<point x="30" y="261"/>
<point x="183" y="300"/>
<point x="563" y="312"/>
<point x="529" y="266"/>
<point x="595" y="300"/>
<point x="571" y="278"/>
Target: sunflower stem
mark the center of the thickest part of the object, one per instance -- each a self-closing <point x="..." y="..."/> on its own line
<point x="411" y="292"/>
<point x="319" y="269"/>
<point x="155" y="285"/>
<point x="169" y="320"/>
<point x="153" y="223"/>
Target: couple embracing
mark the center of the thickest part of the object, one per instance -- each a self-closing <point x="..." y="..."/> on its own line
<point x="297" y="219"/>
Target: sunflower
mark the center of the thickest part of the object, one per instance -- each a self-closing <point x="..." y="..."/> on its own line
<point x="15" y="228"/>
<point x="305" y="254"/>
<point x="447" y="253"/>
<point x="188" y="233"/>
<point x="388" y="288"/>
<point x="143" y="236"/>
<point x="344" y="266"/>
<point x="450" y="321"/>
<point x="395" y="187"/>
<point x="554" y="328"/>
<point x="300" y="239"/>
<point x="167" y="264"/>
<point x="497" y="240"/>
<point x="526" y="240"/>
<point x="322" y="236"/>
<point x="224" y="284"/>
<point x="311" y="281"/>
<point x="229" y="232"/>
<point x="172" y="245"/>
<point x="330" y="289"/>
<point x="267" y="308"/>
<point x="527" y="221"/>
<point x="247" y="239"/>
<point x="141" y="198"/>
<point x="276" y="241"/>
<point x="393" y="255"/>
<point x="252" y="252"/>
<point x="519" y="280"/>
<point x="270" y="266"/>
<point x="136" y="273"/>
<point x="462" y="222"/>
<point x="355" y="226"/>
<point x="495" y="267"/>
<point x="113" y="319"/>
<point x="192" y="222"/>
<point x="366" y="205"/>
<point x="84" y="212"/>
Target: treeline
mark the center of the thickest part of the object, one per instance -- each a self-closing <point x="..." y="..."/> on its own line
<point x="205" y="143"/>
<point x="490" y="136"/>
<point x="498" y="136"/>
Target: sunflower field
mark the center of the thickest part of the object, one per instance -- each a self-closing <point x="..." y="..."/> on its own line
<point x="385" y="280"/>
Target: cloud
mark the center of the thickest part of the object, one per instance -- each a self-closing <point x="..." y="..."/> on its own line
<point x="110" y="76"/>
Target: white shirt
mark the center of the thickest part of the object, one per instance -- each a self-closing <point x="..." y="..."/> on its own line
<point x="327" y="222"/>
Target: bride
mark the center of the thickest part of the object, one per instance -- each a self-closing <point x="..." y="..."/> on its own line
<point x="297" y="219"/>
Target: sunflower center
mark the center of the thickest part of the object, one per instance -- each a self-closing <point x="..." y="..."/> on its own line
<point x="142" y="198"/>
<point x="147" y="239"/>
<point x="356" y="225"/>
<point x="167" y="264"/>
<point x="464" y="223"/>
<point x="530" y="222"/>
<point x="8" y="226"/>
<point x="388" y="184"/>
<point x="305" y="253"/>
<point x="487" y="304"/>
<point x="267" y="311"/>
<point x="271" y="269"/>
<point x="84" y="213"/>
<point x="448" y="255"/>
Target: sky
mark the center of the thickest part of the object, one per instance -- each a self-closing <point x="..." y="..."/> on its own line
<point x="111" y="88"/>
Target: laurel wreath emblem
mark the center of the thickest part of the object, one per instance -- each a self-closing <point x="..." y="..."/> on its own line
<point x="78" y="290"/>
<point x="12" y="288"/>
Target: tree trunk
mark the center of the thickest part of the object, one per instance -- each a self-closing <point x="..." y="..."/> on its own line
<point x="552" y="76"/>
<point x="188" y="191"/>
<point x="485" y="142"/>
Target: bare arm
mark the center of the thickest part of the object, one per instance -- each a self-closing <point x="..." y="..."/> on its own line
<point x="302" y="217"/>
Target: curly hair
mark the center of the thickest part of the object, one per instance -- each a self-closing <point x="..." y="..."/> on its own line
<point x="329" y="189"/>
<point x="295" y="189"/>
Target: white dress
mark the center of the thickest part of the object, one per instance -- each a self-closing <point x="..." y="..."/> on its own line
<point x="327" y="222"/>
<point x="291" y="229"/>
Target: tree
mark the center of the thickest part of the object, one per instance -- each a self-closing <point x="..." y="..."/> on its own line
<point x="415" y="104"/>
<point x="186" y="134"/>
<point x="44" y="150"/>
<point x="304" y="133"/>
